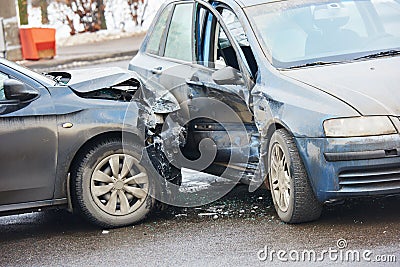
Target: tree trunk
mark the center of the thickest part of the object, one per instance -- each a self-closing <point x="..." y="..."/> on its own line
<point x="43" y="7"/>
<point x="102" y="19"/>
<point x="23" y="12"/>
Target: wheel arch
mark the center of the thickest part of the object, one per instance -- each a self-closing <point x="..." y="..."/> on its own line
<point x="85" y="147"/>
<point x="265" y="142"/>
<point x="264" y="149"/>
<point x="269" y="131"/>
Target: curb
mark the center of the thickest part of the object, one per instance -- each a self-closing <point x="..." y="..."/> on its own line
<point x="59" y="63"/>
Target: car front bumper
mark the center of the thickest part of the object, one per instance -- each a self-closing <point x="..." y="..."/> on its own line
<point x="351" y="167"/>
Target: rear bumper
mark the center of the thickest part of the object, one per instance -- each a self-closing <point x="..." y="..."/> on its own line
<point x="352" y="167"/>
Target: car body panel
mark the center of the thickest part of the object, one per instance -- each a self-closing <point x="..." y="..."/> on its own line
<point x="27" y="176"/>
<point x="351" y="176"/>
<point x="366" y="85"/>
<point x="90" y="118"/>
<point x="28" y="155"/>
<point x="291" y="106"/>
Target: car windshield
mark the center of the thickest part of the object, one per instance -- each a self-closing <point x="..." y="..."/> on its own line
<point x="303" y="32"/>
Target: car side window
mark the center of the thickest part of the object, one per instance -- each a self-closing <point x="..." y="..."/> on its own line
<point x="224" y="54"/>
<point x="180" y="34"/>
<point x="153" y="45"/>
<point x="235" y="28"/>
<point x="215" y="49"/>
<point x="3" y="77"/>
<point x="237" y="31"/>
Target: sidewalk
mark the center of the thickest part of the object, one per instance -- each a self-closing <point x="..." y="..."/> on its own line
<point x="125" y="47"/>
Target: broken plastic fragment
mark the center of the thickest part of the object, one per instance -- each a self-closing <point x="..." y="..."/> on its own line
<point x="207" y="214"/>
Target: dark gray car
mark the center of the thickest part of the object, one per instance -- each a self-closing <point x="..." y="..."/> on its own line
<point x="75" y="140"/>
<point x="303" y="95"/>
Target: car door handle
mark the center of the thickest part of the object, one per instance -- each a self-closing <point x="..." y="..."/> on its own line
<point x="157" y="71"/>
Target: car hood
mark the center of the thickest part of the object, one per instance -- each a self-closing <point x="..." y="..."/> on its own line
<point x="154" y="95"/>
<point x="371" y="87"/>
<point x="94" y="79"/>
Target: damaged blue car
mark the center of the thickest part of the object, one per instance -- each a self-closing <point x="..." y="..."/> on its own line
<point x="313" y="87"/>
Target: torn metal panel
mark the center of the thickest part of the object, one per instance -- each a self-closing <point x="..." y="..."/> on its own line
<point x="117" y="84"/>
<point x="167" y="177"/>
<point x="90" y="80"/>
<point x="157" y="97"/>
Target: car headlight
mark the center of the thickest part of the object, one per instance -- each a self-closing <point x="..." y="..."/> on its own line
<point x="359" y="126"/>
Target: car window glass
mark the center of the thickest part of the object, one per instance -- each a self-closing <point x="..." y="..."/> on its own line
<point x="3" y="77"/>
<point x="202" y="15"/>
<point x="355" y="22"/>
<point x="202" y="18"/>
<point x="153" y="45"/>
<point x="387" y="12"/>
<point x="225" y="54"/>
<point x="298" y="34"/>
<point x="236" y="30"/>
<point x="215" y="49"/>
<point x="180" y="35"/>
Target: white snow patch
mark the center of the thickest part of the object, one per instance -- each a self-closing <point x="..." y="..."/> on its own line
<point x="195" y="181"/>
<point x="207" y="214"/>
<point x="181" y="215"/>
<point x="34" y="16"/>
<point x="94" y="37"/>
<point x="118" y="20"/>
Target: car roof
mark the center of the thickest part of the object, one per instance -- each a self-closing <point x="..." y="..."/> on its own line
<point x="247" y="3"/>
<point x="241" y="3"/>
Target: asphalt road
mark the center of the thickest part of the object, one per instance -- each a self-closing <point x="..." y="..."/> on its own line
<point x="238" y="227"/>
<point x="236" y="230"/>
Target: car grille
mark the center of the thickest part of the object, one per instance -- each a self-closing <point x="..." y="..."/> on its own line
<point x="370" y="180"/>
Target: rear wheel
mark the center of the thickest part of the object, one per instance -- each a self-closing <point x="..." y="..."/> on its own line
<point x="109" y="185"/>
<point x="292" y="194"/>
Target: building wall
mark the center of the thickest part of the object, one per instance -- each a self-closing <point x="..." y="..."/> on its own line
<point x="8" y="12"/>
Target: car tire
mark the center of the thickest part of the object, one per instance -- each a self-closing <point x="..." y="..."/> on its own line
<point x="109" y="187"/>
<point x="291" y="191"/>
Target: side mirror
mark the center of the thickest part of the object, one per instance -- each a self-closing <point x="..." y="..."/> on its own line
<point x="16" y="90"/>
<point x="228" y="76"/>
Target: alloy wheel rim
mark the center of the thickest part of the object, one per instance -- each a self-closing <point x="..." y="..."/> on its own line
<point x="119" y="184"/>
<point x="280" y="178"/>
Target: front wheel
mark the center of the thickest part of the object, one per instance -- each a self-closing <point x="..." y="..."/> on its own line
<point x="293" y="197"/>
<point x="110" y="187"/>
